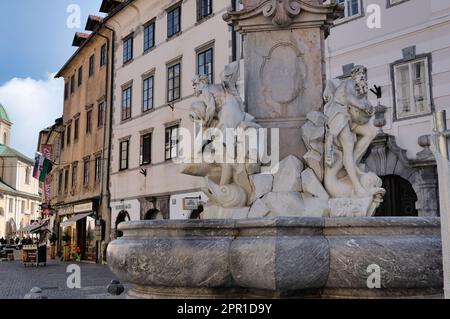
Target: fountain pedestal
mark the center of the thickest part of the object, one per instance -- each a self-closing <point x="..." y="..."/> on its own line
<point x="280" y="258"/>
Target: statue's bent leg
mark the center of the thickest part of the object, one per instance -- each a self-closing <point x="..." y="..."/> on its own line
<point x="367" y="134"/>
<point x="346" y="138"/>
<point x="227" y="174"/>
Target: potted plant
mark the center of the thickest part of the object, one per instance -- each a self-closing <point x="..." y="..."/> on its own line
<point x="53" y="239"/>
<point x="77" y="255"/>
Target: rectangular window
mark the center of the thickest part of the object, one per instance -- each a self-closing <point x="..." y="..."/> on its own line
<point x="123" y="156"/>
<point x="204" y="8"/>
<point x="91" y="65"/>
<point x="66" y="180"/>
<point x="76" y="130"/>
<point x="103" y="55"/>
<point x="66" y="90"/>
<point x="173" y="21"/>
<point x="205" y="64"/>
<point x="412" y="88"/>
<point x="72" y="84"/>
<point x="11" y="205"/>
<point x="352" y="7"/>
<point x="27" y="175"/>
<point x="146" y="149"/>
<point x="147" y="99"/>
<point x="98" y="169"/>
<point x="74" y="177"/>
<point x="171" y="142"/>
<point x="80" y="76"/>
<point x="101" y="109"/>
<point x="126" y="103"/>
<point x="149" y="36"/>
<point x="69" y="129"/>
<point x="128" y="49"/>
<point x="63" y="139"/>
<point x="86" y="172"/>
<point x="89" y="121"/>
<point x="60" y="180"/>
<point x="173" y="82"/>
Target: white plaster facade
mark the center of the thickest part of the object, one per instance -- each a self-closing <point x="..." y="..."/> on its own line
<point x="163" y="178"/>
<point x="19" y="191"/>
<point x="423" y="24"/>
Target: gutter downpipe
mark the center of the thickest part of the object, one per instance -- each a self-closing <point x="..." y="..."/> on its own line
<point x="105" y="189"/>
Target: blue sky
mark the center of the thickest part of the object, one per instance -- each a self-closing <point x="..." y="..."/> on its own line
<point x="35" y="42"/>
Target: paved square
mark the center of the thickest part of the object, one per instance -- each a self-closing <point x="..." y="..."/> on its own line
<point x="17" y="280"/>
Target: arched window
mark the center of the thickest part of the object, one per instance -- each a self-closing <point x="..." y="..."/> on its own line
<point x="4" y="138"/>
<point x="400" y="198"/>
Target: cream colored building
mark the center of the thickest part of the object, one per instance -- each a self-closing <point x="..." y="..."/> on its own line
<point x="409" y="58"/>
<point x="19" y="191"/>
<point x="160" y="45"/>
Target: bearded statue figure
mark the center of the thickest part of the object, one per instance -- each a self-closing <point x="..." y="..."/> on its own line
<point x="219" y="108"/>
<point x="349" y="132"/>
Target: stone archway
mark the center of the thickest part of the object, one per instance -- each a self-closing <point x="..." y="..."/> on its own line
<point x="386" y="158"/>
<point x="153" y="214"/>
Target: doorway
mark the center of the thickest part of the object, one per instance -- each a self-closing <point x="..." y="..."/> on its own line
<point x="400" y="198"/>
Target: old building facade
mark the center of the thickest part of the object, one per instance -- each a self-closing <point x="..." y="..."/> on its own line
<point x="408" y="58"/>
<point x="19" y="191"/>
<point x="160" y="47"/>
<point x="79" y="195"/>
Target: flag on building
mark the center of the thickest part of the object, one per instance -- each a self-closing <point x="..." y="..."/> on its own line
<point x="42" y="167"/>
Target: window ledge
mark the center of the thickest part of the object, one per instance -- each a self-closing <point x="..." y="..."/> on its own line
<point x="200" y="21"/>
<point x="348" y="19"/>
<point x="173" y="36"/>
<point x="399" y="119"/>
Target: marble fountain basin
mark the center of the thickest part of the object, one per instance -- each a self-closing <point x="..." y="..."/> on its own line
<point x="280" y="257"/>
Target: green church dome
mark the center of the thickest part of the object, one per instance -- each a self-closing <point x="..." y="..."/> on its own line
<point x="3" y="114"/>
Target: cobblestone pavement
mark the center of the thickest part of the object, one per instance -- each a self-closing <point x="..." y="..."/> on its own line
<point x="17" y="280"/>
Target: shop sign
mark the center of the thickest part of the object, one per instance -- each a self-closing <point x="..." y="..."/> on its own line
<point x="123" y="207"/>
<point x="190" y="203"/>
<point x="88" y="207"/>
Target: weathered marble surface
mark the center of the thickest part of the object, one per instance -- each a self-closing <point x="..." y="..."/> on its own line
<point x="277" y="257"/>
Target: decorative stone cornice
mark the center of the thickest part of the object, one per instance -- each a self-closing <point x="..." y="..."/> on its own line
<point x="282" y="12"/>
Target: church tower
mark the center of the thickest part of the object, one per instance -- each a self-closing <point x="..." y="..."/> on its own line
<point x="5" y="127"/>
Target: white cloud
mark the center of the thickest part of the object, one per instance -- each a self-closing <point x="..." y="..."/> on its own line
<point x="32" y="105"/>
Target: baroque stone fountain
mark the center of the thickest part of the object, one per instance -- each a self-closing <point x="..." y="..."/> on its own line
<point x="300" y="227"/>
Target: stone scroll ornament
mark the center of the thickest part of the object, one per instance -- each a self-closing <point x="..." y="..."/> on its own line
<point x="332" y="183"/>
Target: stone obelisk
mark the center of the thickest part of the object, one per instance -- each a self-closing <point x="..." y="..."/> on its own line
<point x="284" y="63"/>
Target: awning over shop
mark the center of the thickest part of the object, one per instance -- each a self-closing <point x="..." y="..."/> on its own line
<point x="32" y="228"/>
<point x="74" y="219"/>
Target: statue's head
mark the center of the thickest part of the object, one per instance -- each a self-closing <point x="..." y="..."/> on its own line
<point x="359" y="75"/>
<point x="199" y="82"/>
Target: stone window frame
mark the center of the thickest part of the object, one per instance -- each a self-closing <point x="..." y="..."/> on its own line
<point x="345" y="19"/>
<point x="201" y="17"/>
<point x="74" y="177"/>
<point x="126" y="140"/>
<point x="76" y="128"/>
<point x="210" y="45"/>
<point x="170" y="126"/>
<point x="124" y="87"/>
<point x="404" y="60"/>
<point x="86" y="170"/>
<point x="97" y="168"/>
<point x="129" y="37"/>
<point x="169" y="10"/>
<point x="143" y="134"/>
<point x="390" y="5"/>
<point x="103" y="55"/>
<point x="145" y="76"/>
<point x="80" y="76"/>
<point x="89" y="110"/>
<point x="144" y="27"/>
<point x="92" y="65"/>
<point x="170" y="64"/>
